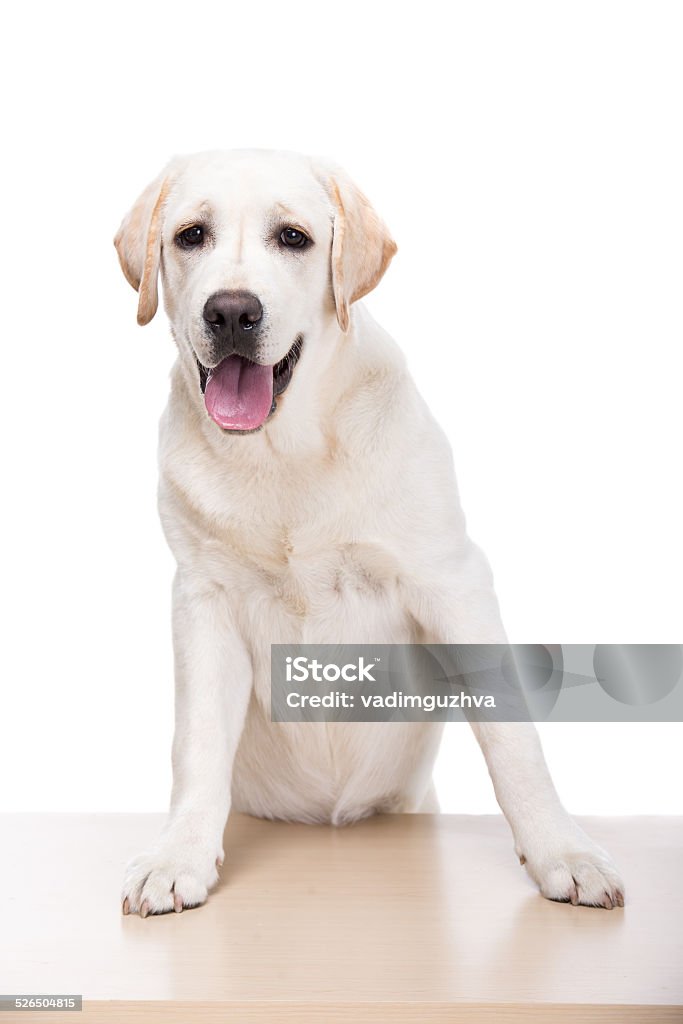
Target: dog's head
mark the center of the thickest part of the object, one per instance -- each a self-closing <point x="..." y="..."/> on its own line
<point x="258" y="253"/>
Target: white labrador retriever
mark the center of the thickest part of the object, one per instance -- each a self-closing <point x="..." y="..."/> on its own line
<point x="307" y="495"/>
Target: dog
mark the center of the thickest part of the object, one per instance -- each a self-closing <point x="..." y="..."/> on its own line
<point x="307" y="495"/>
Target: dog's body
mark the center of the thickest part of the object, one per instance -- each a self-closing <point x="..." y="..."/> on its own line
<point x="310" y="546"/>
<point x="336" y="519"/>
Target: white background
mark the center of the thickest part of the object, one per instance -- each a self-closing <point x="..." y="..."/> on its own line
<point x="529" y="160"/>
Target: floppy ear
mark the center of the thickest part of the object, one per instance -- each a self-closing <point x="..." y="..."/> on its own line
<point x="138" y="243"/>
<point x="362" y="247"/>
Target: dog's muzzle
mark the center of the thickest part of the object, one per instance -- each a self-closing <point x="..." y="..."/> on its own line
<point x="241" y="394"/>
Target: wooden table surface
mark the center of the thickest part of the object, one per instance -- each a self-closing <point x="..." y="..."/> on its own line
<point x="415" y="918"/>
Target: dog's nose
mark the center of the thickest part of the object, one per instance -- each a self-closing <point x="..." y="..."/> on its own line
<point x="232" y="314"/>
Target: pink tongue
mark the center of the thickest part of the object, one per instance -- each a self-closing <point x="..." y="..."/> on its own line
<point x="239" y="394"/>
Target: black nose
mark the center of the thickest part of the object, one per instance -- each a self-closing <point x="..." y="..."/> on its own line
<point x="231" y="315"/>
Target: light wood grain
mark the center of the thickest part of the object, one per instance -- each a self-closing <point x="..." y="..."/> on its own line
<point x="400" y="918"/>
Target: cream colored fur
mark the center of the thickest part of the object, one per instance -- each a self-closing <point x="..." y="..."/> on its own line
<point x="338" y="521"/>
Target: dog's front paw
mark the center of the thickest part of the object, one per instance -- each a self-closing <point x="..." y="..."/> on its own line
<point x="577" y="873"/>
<point x="173" y="876"/>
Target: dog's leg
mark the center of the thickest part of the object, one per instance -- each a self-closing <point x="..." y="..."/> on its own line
<point x="563" y="861"/>
<point x="565" y="864"/>
<point x="213" y="685"/>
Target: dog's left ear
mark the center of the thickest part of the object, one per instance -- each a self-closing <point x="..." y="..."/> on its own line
<point x="362" y="247"/>
<point x="138" y="243"/>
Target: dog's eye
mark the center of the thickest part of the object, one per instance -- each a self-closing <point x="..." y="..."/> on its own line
<point x="293" y="238"/>
<point x="190" y="238"/>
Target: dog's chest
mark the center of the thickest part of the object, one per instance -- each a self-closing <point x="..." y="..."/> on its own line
<point x="305" y="540"/>
<point x="307" y="555"/>
<point x="311" y="571"/>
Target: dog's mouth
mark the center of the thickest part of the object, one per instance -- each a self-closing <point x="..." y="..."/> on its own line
<point x="240" y="395"/>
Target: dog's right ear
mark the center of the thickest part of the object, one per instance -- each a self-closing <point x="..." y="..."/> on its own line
<point x="138" y="244"/>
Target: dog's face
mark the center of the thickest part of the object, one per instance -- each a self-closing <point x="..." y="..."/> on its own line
<point x="258" y="252"/>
